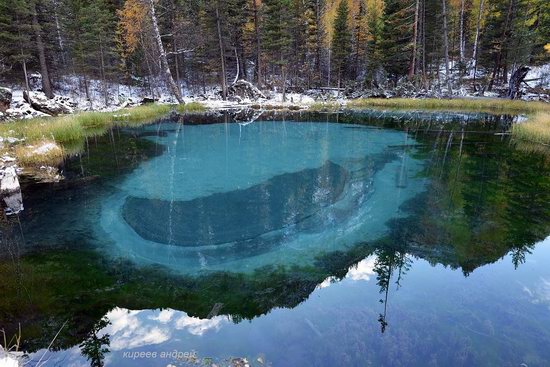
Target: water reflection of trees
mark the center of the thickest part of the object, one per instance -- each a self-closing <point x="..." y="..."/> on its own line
<point x="390" y="263"/>
<point x="483" y="201"/>
<point x="94" y="347"/>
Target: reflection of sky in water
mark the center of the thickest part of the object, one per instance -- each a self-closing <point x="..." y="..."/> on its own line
<point x="496" y="316"/>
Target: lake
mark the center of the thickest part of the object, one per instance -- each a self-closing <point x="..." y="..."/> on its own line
<point x="299" y="239"/>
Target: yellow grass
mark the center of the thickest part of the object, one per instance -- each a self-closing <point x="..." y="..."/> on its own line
<point x="486" y="105"/>
<point x="70" y="131"/>
<point x="536" y="129"/>
<point x="34" y="155"/>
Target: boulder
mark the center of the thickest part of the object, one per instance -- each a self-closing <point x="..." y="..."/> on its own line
<point x="9" y="182"/>
<point x="244" y="90"/>
<point x="10" y="191"/>
<point x="22" y="110"/>
<point x="55" y="106"/>
<point x="147" y="100"/>
<point x="5" y="99"/>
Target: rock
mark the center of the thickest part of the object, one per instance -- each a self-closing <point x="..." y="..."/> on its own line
<point x="23" y="110"/>
<point x="8" y="361"/>
<point x="147" y="100"/>
<point x="55" y="106"/>
<point x="9" y="183"/>
<point x="10" y="191"/>
<point x="244" y="90"/>
<point x="35" y="81"/>
<point x="129" y="102"/>
<point x="13" y="203"/>
<point x="5" y="99"/>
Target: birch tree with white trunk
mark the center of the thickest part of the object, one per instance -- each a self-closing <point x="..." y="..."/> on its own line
<point x="163" y="60"/>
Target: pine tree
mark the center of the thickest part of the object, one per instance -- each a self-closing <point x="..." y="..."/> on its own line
<point x="41" y="47"/>
<point x="15" y="36"/>
<point x="277" y="38"/>
<point x="374" y="45"/>
<point x="398" y="37"/>
<point x="312" y="44"/>
<point x="360" y="38"/>
<point x="341" y="42"/>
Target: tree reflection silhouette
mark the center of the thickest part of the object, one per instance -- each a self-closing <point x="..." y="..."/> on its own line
<point x="94" y="347"/>
<point x="388" y="261"/>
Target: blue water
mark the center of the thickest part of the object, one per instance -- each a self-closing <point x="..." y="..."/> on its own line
<point x="231" y="197"/>
<point x="436" y="317"/>
<point x="376" y="242"/>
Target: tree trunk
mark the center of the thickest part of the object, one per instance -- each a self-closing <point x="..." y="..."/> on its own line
<point x="27" y="88"/>
<point x="58" y="29"/>
<point x="503" y="41"/>
<point x="222" y="53"/>
<point x="46" y="84"/>
<point x="257" y="67"/>
<point x="476" y="39"/>
<point x="446" y="46"/>
<point x="284" y="83"/>
<point x="318" y="45"/>
<point x="412" y="66"/>
<point x="103" y="76"/>
<point x="163" y="60"/>
<point x="423" y="46"/>
<point x="461" y="44"/>
<point x="515" y="81"/>
<point x="24" y="65"/>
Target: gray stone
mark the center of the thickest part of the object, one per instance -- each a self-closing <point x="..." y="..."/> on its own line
<point x="5" y="99"/>
<point x="55" y="106"/>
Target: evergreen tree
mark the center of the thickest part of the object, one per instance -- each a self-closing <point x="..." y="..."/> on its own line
<point x="277" y="38"/>
<point x="360" y="39"/>
<point x="15" y="36"/>
<point x="397" y="37"/>
<point x="312" y="43"/>
<point x="341" y="42"/>
<point x="374" y="46"/>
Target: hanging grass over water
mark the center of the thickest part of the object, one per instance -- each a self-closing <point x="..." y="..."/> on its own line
<point x="45" y="152"/>
<point x="70" y="131"/>
<point x="486" y="105"/>
<point x="536" y="129"/>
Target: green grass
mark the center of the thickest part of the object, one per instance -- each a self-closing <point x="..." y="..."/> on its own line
<point x="486" y="105"/>
<point x="70" y="131"/>
<point x="191" y="107"/>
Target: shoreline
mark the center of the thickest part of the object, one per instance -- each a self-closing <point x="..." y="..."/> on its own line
<point x="37" y="146"/>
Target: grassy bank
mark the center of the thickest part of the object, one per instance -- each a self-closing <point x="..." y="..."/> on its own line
<point x="68" y="132"/>
<point x="535" y="130"/>
<point x="485" y="105"/>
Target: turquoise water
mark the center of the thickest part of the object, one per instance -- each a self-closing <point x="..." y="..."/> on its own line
<point x="301" y="240"/>
<point x="435" y="317"/>
<point x="227" y="197"/>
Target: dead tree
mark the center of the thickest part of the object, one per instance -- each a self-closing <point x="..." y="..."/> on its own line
<point x="515" y="82"/>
